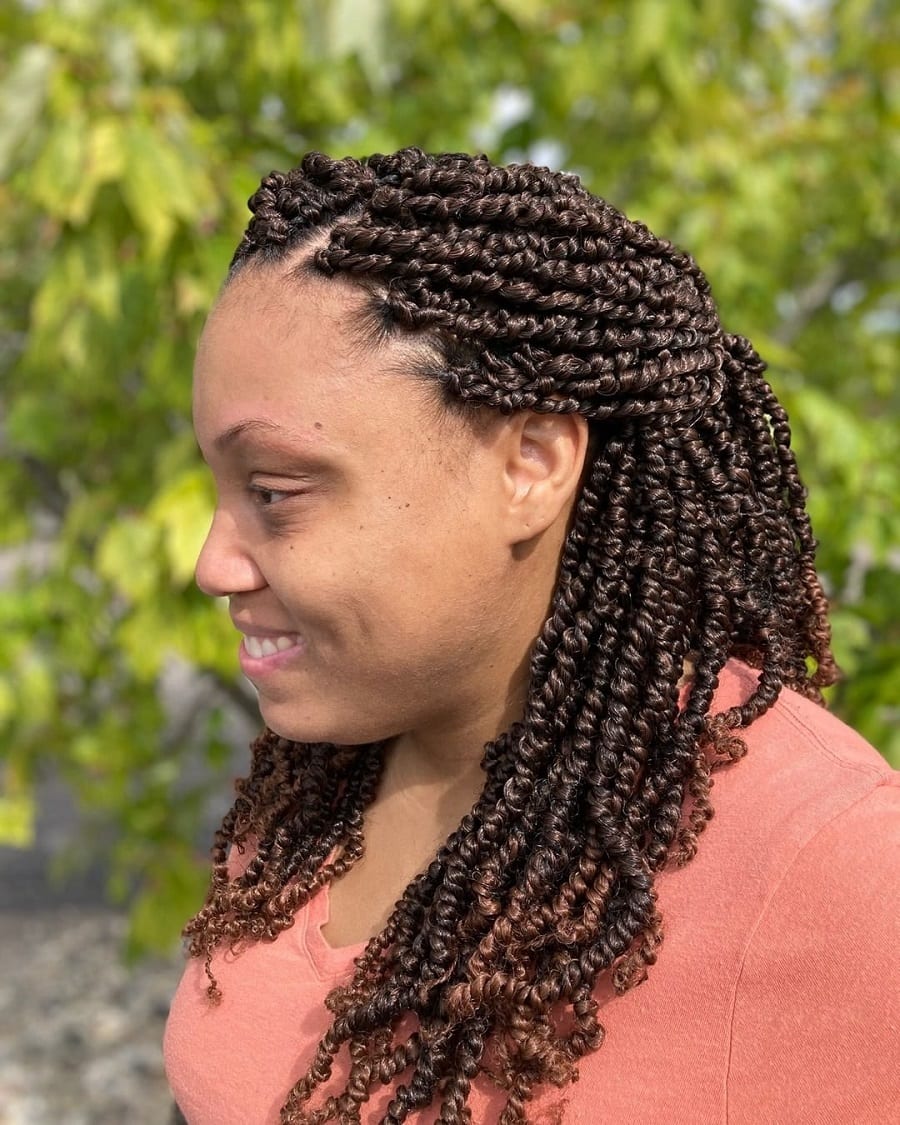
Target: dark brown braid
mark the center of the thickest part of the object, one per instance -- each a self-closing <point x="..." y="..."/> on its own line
<point x="689" y="541"/>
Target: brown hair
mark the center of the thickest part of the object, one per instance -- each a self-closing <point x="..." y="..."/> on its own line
<point x="689" y="540"/>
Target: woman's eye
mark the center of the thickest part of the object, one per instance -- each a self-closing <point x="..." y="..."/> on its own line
<point x="269" y="497"/>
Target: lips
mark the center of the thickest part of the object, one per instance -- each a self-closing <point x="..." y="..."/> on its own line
<point x="263" y="655"/>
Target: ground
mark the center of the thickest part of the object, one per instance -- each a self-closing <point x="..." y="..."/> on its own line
<point x="79" y="1032"/>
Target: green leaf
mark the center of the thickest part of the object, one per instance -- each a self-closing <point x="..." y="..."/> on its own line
<point x="22" y="96"/>
<point x="17" y="820"/>
<point x="127" y="557"/>
<point x="357" y="27"/>
<point x="183" y="511"/>
<point x="104" y="162"/>
<point x="165" y="903"/>
<point x="159" y="185"/>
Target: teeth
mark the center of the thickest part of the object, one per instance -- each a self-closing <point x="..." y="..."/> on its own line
<point x="258" y="647"/>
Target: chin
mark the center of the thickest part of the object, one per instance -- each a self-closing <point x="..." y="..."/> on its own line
<point x="287" y="723"/>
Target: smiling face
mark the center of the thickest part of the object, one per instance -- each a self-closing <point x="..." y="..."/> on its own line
<point x="362" y="535"/>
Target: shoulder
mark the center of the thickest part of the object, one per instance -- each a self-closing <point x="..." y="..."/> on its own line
<point x="816" y="1020"/>
<point x="804" y="767"/>
<point x="795" y="726"/>
<point x="816" y="1008"/>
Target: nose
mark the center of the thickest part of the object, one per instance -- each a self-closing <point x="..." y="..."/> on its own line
<point x="224" y="565"/>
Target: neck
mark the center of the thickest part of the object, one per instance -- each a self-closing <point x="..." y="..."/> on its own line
<point x="437" y="770"/>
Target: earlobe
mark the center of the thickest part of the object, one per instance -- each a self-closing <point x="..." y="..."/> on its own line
<point x="546" y="457"/>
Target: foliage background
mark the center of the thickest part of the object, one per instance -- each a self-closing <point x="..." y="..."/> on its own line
<point x="762" y="136"/>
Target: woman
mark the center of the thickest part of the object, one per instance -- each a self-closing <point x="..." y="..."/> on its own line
<point x="517" y="545"/>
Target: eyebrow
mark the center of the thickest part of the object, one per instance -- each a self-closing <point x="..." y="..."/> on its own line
<point x="249" y="428"/>
<point x="291" y="447"/>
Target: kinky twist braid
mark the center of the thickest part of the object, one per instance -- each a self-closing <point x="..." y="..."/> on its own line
<point x="689" y="541"/>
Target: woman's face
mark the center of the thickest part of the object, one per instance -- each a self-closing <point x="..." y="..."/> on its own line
<point x="358" y="531"/>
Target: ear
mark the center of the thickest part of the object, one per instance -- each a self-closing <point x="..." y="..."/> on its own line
<point x="545" y="456"/>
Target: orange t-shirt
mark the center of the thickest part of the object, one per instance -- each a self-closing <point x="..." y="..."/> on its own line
<point x="775" y="998"/>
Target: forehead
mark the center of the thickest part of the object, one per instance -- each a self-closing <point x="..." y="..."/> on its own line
<point x="266" y="313"/>
<point x="281" y="351"/>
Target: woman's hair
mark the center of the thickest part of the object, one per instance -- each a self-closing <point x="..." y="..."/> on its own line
<point x="689" y="542"/>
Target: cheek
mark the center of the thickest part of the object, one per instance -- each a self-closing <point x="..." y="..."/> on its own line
<point x="415" y="549"/>
<point x="447" y="588"/>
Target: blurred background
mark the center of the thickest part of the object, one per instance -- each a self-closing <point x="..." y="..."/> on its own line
<point x="761" y="135"/>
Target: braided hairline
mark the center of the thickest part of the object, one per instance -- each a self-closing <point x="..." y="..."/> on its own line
<point x="689" y="539"/>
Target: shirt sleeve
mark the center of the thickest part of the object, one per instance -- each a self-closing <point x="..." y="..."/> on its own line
<point x="815" y="1034"/>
